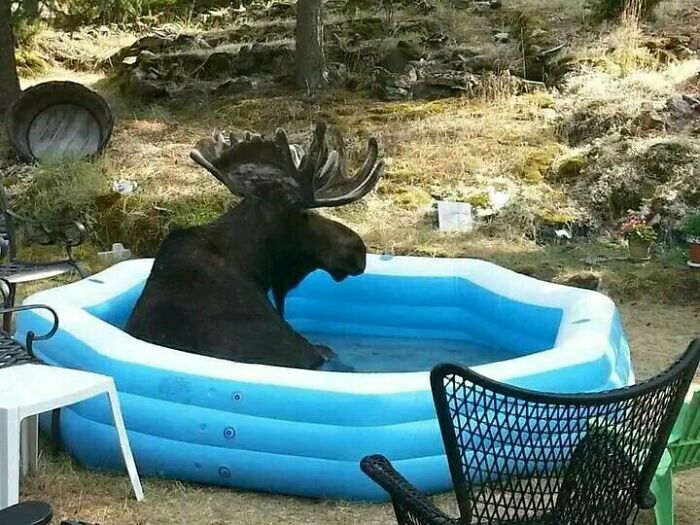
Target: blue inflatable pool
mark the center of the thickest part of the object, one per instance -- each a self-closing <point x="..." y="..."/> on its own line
<point x="304" y="432"/>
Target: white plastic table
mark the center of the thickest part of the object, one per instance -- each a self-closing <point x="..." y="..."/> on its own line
<point x="29" y="390"/>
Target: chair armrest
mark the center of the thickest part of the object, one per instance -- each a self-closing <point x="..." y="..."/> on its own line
<point x="405" y="496"/>
<point x="30" y="335"/>
<point x="54" y="236"/>
<point x="27" y="513"/>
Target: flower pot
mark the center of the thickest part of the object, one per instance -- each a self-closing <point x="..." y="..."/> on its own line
<point x="694" y="253"/>
<point x="639" y="249"/>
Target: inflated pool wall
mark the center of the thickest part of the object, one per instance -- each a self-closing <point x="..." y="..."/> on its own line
<point x="304" y="432"/>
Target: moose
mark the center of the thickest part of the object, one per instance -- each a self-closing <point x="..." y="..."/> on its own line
<point x="208" y="291"/>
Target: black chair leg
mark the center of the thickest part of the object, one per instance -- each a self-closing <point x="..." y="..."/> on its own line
<point x="9" y="303"/>
<point x="56" y="431"/>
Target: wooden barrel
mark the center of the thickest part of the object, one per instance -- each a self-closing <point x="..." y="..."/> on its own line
<point x="57" y="121"/>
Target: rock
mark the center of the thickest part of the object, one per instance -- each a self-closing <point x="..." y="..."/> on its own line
<point x="594" y="260"/>
<point x="549" y="114"/>
<point x="398" y="58"/>
<point x="585" y="280"/>
<point x="684" y="53"/>
<point x="479" y="63"/>
<point x="694" y="101"/>
<point x="488" y="203"/>
<point x="147" y="57"/>
<point x="142" y="85"/>
<point x="502" y="37"/>
<point x="393" y="94"/>
<point x="218" y="63"/>
<point x="154" y="43"/>
<point x="237" y="84"/>
<point x="438" y="39"/>
<point x="428" y="81"/>
<point x="680" y="106"/>
<point x="124" y="187"/>
<point x="338" y="72"/>
<point x="649" y="120"/>
<point x="408" y="79"/>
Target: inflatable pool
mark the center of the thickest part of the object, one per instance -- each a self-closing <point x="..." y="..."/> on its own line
<point x="304" y="432"/>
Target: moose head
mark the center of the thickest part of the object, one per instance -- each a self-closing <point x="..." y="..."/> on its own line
<point x="284" y="185"/>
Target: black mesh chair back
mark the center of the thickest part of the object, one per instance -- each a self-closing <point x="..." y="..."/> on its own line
<point x="518" y="456"/>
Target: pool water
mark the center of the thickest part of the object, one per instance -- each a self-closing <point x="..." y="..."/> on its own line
<point x="363" y="353"/>
<point x="444" y="326"/>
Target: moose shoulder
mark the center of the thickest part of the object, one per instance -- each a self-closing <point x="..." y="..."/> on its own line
<point x="209" y="286"/>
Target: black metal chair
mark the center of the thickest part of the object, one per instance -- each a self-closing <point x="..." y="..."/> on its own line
<point x="68" y="233"/>
<point x="530" y="458"/>
<point x="12" y="352"/>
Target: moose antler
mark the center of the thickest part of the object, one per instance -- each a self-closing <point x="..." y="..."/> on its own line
<point x="274" y="169"/>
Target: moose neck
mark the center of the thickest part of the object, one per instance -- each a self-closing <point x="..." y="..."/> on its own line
<point x="254" y="236"/>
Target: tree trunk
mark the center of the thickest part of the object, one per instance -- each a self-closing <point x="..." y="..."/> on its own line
<point x="310" y="63"/>
<point x="9" y="84"/>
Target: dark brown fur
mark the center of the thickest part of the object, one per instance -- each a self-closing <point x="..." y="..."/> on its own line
<point x="208" y="290"/>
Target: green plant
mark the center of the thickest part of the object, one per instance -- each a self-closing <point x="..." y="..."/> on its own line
<point x="691" y="228"/>
<point x="635" y="227"/>
<point x="66" y="189"/>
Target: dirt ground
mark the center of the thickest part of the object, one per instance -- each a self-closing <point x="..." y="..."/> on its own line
<point x="657" y="333"/>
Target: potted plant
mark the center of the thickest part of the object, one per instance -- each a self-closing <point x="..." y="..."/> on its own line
<point x="691" y="229"/>
<point x="639" y="237"/>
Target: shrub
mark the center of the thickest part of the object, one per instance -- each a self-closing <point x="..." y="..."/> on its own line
<point x="691" y="228"/>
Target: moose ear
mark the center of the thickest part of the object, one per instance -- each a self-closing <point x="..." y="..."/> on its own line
<point x="207" y="150"/>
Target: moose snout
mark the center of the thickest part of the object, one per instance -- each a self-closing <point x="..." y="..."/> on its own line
<point x="349" y="267"/>
<point x="357" y="265"/>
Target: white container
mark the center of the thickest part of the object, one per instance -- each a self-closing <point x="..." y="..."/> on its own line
<point x="455" y="216"/>
<point x="116" y="254"/>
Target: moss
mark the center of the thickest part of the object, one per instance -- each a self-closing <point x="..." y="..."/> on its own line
<point x="569" y="167"/>
<point x="29" y="63"/>
<point x="541" y="99"/>
<point x="407" y="197"/>
<point x="479" y="199"/>
<point x="538" y="162"/>
<point x="555" y="216"/>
